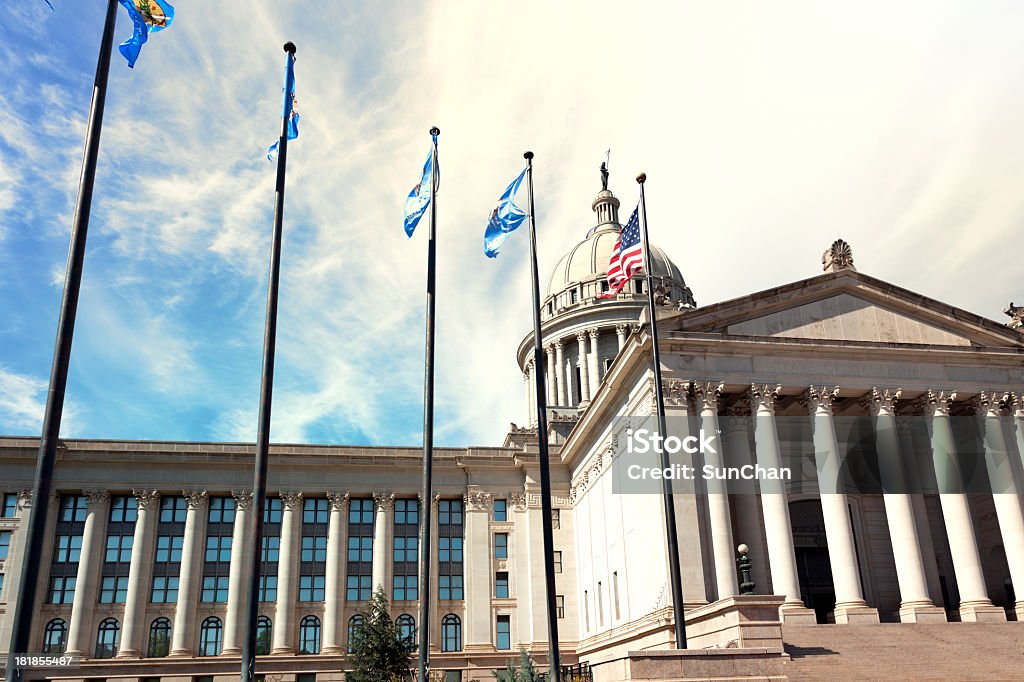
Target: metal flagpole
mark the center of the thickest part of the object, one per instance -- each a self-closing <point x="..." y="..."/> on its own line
<point x="24" y="605"/>
<point x="555" y="672"/>
<point x="428" y="428"/>
<point x="259" y="481"/>
<point x="671" y="534"/>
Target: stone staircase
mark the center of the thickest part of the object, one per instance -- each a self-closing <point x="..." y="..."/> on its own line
<point x="905" y="651"/>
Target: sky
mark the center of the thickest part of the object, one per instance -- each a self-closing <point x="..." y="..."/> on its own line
<point x="766" y="131"/>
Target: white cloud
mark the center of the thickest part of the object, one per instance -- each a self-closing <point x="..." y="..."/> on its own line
<point x="22" y="403"/>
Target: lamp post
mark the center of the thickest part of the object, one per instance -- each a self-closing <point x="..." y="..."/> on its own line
<point x="743" y="563"/>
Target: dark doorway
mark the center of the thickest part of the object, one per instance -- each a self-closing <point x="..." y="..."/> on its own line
<point x="814" y="569"/>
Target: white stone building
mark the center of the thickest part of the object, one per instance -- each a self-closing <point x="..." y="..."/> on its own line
<point x="142" y="573"/>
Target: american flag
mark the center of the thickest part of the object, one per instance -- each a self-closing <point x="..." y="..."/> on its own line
<point x="627" y="256"/>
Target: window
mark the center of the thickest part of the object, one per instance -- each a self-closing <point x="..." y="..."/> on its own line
<point x="62" y="590"/>
<point x="222" y="510"/>
<point x="560" y="606"/>
<point x="407" y="626"/>
<point x="557" y="560"/>
<point x="449" y="587"/>
<point x="218" y="548"/>
<point x="10" y="505"/>
<point x="501" y="585"/>
<point x="114" y="589"/>
<point x="168" y="548"/>
<point x="55" y="637"/>
<point x="173" y="510"/>
<point x="159" y="638"/>
<point x="73" y="508"/>
<point x="615" y="592"/>
<point x="600" y="605"/>
<point x="449" y="549"/>
<point x="501" y="545"/>
<point x="165" y="589"/>
<point x="215" y="589"/>
<point x="404" y="588"/>
<point x="638" y="286"/>
<point x="573" y="296"/>
<point x="604" y="286"/>
<point x="268" y="588"/>
<point x="586" y="611"/>
<point x="504" y="632"/>
<point x="5" y="543"/>
<point x="315" y="510"/>
<point x="360" y="550"/>
<point x="271" y="548"/>
<point x="311" y="587"/>
<point x="68" y="548"/>
<point x="355" y="624"/>
<point x="107" y="638"/>
<point x="501" y="510"/>
<point x="405" y="550"/>
<point x="264" y="629"/>
<point x="123" y="509"/>
<point x="314" y="548"/>
<point x="210" y="637"/>
<point x="451" y="633"/>
<point x="272" y="510"/>
<point x="119" y="548"/>
<point x="556" y="518"/>
<point x="309" y="635"/>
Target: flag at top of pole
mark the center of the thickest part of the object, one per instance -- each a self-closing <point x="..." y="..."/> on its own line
<point x="504" y="219"/>
<point x="627" y="256"/>
<point x="419" y="198"/>
<point x="290" y="111"/>
<point x="147" y="15"/>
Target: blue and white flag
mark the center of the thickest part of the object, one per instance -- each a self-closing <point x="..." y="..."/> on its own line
<point x="147" y="15"/>
<point x="290" y="111"/>
<point x="504" y="218"/>
<point x="419" y="198"/>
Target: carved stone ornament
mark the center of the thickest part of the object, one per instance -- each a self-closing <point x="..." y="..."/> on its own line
<point x="196" y="499"/>
<point x="25" y="499"/>
<point x="243" y="499"/>
<point x="338" y="501"/>
<point x="1017" y="405"/>
<point x="1016" y="313"/>
<point x="97" y="497"/>
<point x="676" y="391"/>
<point x="937" y="403"/>
<point x="707" y="394"/>
<point x="991" y="403"/>
<point x="764" y="395"/>
<point x="819" y="397"/>
<point x="517" y="501"/>
<point x="837" y="257"/>
<point x="291" y="499"/>
<point x="882" y="399"/>
<point x="383" y="501"/>
<point x="147" y="499"/>
<point x="477" y="501"/>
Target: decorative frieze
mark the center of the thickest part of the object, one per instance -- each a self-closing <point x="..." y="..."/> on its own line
<point x="147" y="499"/>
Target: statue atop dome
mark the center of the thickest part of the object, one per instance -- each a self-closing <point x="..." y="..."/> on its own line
<point x="604" y="176"/>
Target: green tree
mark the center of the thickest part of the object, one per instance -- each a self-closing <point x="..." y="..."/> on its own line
<point x="379" y="651"/>
<point x="523" y="671"/>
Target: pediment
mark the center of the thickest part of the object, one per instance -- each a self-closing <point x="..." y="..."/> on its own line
<point x="849" y="306"/>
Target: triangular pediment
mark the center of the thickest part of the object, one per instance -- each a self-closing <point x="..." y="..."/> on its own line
<point x="849" y="306"/>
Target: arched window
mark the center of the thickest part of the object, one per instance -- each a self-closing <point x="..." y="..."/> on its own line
<point x="55" y="637"/>
<point x="210" y="637"/>
<point x="159" y="638"/>
<point x="451" y="633"/>
<point x="309" y="635"/>
<point x="407" y="624"/>
<point x="354" y="624"/>
<point x="107" y="638"/>
<point x="264" y="629"/>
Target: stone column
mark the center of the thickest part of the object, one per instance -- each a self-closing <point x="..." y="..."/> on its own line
<point x="287" y="578"/>
<point x="528" y="396"/>
<point x="842" y="552"/>
<point x="238" y="600"/>
<point x="334" y="592"/>
<point x="549" y="375"/>
<point x="990" y="406"/>
<point x="1017" y="407"/>
<point x="915" y="604"/>
<point x="80" y="635"/>
<point x="15" y="559"/>
<point x="593" y="366"/>
<point x="581" y="342"/>
<point x="139" y="572"/>
<point x="775" y="508"/>
<point x="706" y="395"/>
<point x="975" y="604"/>
<point x="478" y="572"/>
<point x="382" y="534"/>
<point x="190" y="578"/>
<point x="531" y="414"/>
<point x="560" y="372"/>
<point x="620" y="334"/>
<point x="736" y="427"/>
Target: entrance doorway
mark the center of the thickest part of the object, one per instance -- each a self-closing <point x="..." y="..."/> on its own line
<point x="814" y="569"/>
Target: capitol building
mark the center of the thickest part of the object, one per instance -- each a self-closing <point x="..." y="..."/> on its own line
<point x="143" y="572"/>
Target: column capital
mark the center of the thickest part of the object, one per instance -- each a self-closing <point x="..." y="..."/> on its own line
<point x="937" y="403"/>
<point x="25" y="498"/>
<point x="764" y="395"/>
<point x="339" y="501"/>
<point x="990" y="403"/>
<point x="558" y="345"/>
<point x="581" y="336"/>
<point x="621" y="328"/>
<point x="517" y="501"/>
<point x="819" y="399"/>
<point x="147" y="499"/>
<point x="476" y="500"/>
<point x="196" y="498"/>
<point x="707" y="394"/>
<point x="594" y="333"/>
<point x="676" y="391"/>
<point x="97" y="497"/>
<point x="435" y="501"/>
<point x="383" y="501"/>
<point x="1017" y="404"/>
<point x="881" y="400"/>
<point x="549" y="349"/>
<point x="243" y="499"/>
<point x="290" y="499"/>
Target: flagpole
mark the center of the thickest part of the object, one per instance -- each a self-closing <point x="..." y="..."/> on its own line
<point x="428" y="428"/>
<point x="259" y="484"/>
<point x="554" y="658"/>
<point x="24" y="605"/>
<point x="672" y="536"/>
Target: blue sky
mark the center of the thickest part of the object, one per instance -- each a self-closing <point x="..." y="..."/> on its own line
<point x="766" y="131"/>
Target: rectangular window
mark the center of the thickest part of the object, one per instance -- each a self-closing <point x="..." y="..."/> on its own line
<point x="557" y="559"/>
<point x="501" y="510"/>
<point x="5" y="543"/>
<point x="273" y="510"/>
<point x="68" y="549"/>
<point x="10" y="505"/>
<point x="119" y="549"/>
<point x="504" y="632"/>
<point x="168" y="548"/>
<point x="123" y="509"/>
<point x="315" y="510"/>
<point x="604" y="286"/>
<point x="314" y="548"/>
<point x="449" y="549"/>
<point x="600" y="606"/>
<point x="173" y="510"/>
<point x="501" y="545"/>
<point x="215" y="589"/>
<point x="165" y="590"/>
<point x="501" y="585"/>
<point x="62" y="590"/>
<point x="560" y="605"/>
<point x="615" y="593"/>
<point x="556" y="518"/>
<point x="572" y="296"/>
<point x="222" y="510"/>
<point x="360" y="549"/>
<point x="268" y="588"/>
<point x="405" y="588"/>
<point x="405" y="550"/>
<point x="218" y="548"/>
<point x="113" y="589"/>
<point x="586" y="611"/>
<point x="271" y="548"/>
<point x="73" y="508"/>
<point x="449" y="587"/>
<point x="311" y="587"/>
<point x="638" y="286"/>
